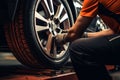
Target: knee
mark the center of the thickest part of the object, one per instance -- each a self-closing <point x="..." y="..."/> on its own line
<point x="75" y="46"/>
<point x="77" y="53"/>
<point x="79" y="47"/>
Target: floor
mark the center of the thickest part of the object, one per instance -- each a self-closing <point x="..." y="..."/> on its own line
<point x="11" y="69"/>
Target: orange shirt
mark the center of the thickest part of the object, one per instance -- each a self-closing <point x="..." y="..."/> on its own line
<point x="90" y="9"/>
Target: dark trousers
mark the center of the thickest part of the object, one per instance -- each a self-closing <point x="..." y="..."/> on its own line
<point x="90" y="55"/>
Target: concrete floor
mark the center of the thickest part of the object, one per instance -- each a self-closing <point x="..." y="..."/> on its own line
<point x="7" y="58"/>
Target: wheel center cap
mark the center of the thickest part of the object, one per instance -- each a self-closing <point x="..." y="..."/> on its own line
<point x="53" y="27"/>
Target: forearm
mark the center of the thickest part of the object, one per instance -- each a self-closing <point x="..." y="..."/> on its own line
<point x="78" y="28"/>
<point x="100" y="33"/>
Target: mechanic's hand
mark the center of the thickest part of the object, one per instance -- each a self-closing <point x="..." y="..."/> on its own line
<point x="60" y="41"/>
<point x="61" y="38"/>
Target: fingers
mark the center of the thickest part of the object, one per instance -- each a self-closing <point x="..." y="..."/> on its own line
<point x="64" y="31"/>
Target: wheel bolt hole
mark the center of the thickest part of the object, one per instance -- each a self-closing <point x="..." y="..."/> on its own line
<point x="56" y="21"/>
<point x="51" y="17"/>
<point x="57" y="30"/>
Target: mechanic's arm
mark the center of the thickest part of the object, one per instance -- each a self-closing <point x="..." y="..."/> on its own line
<point x="76" y="31"/>
<point x="101" y="33"/>
<point x="78" y="28"/>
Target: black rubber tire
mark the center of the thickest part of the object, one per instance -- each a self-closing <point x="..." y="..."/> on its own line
<point x="22" y="40"/>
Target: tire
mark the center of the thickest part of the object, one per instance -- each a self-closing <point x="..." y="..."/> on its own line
<point x="27" y="35"/>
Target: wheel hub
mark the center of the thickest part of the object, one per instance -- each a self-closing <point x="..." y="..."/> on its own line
<point x="54" y="27"/>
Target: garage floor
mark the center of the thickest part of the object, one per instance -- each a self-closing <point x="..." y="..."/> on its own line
<point x="11" y="69"/>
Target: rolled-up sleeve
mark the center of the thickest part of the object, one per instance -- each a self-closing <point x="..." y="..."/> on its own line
<point x="90" y="8"/>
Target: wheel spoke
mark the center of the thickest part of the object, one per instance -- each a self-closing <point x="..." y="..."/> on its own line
<point x="64" y="17"/>
<point x="53" y="51"/>
<point x="77" y="4"/>
<point x="59" y="14"/>
<point x="54" y="55"/>
<point x="59" y="11"/>
<point x="49" y="6"/>
<point x="49" y="42"/>
<point x="38" y="16"/>
<point x="41" y="28"/>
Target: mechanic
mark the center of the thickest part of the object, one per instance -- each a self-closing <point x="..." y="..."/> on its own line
<point x="89" y="55"/>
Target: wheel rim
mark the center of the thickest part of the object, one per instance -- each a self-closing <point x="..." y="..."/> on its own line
<point x="51" y="18"/>
<point x="100" y="24"/>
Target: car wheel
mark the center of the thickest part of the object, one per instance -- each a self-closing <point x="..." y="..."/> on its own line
<point x="28" y="35"/>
